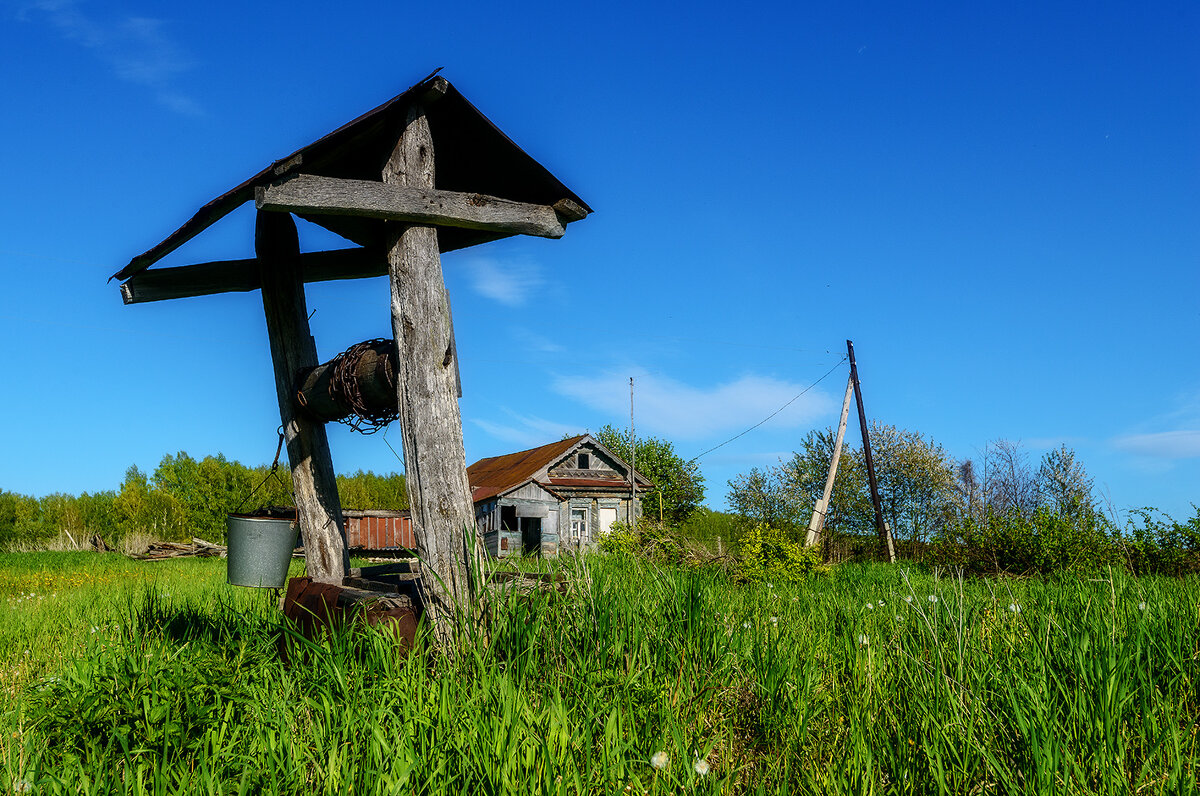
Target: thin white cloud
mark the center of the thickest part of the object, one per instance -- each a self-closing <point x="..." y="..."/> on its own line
<point x="510" y="282"/>
<point x="1179" y="444"/>
<point x="137" y="49"/>
<point x="525" y="431"/>
<point x="1158" y="449"/>
<point x="682" y="411"/>
<point x="536" y="342"/>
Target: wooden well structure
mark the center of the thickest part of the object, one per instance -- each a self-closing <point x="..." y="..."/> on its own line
<point x="423" y="173"/>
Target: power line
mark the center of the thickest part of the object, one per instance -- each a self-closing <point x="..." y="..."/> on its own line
<point x="777" y="411"/>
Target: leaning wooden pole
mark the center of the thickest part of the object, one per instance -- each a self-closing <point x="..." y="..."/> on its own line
<point x="435" y="465"/>
<point x="817" y="524"/>
<point x="277" y="247"/>
<point x="885" y="536"/>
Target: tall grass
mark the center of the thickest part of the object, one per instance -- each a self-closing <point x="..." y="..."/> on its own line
<point x="857" y="682"/>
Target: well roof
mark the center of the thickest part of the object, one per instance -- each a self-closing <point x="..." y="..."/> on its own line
<point x="473" y="155"/>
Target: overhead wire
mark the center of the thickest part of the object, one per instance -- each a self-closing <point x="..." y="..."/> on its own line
<point x="777" y="411"/>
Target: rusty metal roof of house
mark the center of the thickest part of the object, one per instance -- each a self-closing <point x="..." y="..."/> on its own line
<point x="502" y="472"/>
<point x="499" y="474"/>
<point x="473" y="156"/>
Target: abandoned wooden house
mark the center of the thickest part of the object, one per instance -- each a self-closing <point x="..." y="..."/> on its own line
<point x="561" y="496"/>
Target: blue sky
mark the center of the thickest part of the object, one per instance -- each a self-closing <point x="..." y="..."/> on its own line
<point x="996" y="201"/>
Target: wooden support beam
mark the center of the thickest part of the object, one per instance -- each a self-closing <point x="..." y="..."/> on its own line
<point x="435" y="466"/>
<point x="311" y="195"/>
<point x="239" y="276"/>
<point x="318" y="509"/>
<point x="817" y="524"/>
<point x="886" y="546"/>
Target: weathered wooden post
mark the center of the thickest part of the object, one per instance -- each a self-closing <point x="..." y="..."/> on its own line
<point x="886" y="547"/>
<point x="435" y="464"/>
<point x="277" y="247"/>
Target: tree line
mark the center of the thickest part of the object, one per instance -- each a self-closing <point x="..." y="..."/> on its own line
<point x="1004" y="512"/>
<point x="183" y="497"/>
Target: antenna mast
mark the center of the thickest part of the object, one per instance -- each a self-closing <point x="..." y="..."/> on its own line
<point x="632" y="457"/>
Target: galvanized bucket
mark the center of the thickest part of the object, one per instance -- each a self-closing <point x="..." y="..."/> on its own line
<point x="260" y="550"/>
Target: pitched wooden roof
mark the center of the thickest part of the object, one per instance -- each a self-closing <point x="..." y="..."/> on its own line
<point x="473" y="155"/>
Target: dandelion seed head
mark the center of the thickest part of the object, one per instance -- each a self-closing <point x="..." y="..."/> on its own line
<point x="659" y="760"/>
<point x="870" y="607"/>
<point x="775" y="620"/>
<point x="908" y="599"/>
<point x="863" y="640"/>
<point x="1142" y="606"/>
<point x="933" y="598"/>
<point x="701" y="767"/>
<point x="1016" y="609"/>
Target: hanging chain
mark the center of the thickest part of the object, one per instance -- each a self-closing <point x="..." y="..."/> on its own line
<point x="274" y="471"/>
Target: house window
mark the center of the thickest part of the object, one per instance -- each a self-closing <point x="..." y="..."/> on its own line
<point x="578" y="524"/>
<point x="584" y="461"/>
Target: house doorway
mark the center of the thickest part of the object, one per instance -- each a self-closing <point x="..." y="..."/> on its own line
<point x="531" y="535"/>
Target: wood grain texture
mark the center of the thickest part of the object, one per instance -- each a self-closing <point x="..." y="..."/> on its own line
<point x="239" y="276"/>
<point x="435" y="465"/>
<point x="309" y="194"/>
<point x="292" y="350"/>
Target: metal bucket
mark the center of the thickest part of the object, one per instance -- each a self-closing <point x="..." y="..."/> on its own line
<point x="260" y="550"/>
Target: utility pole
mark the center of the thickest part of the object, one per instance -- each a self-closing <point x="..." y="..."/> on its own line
<point x="885" y="533"/>
<point x="632" y="458"/>
<point x="817" y="524"/>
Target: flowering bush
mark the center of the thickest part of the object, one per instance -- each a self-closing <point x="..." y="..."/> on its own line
<point x="767" y="554"/>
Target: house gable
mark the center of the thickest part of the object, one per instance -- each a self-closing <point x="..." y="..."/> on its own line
<point x="589" y="460"/>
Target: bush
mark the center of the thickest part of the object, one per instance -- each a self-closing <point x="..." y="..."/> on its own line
<point x="1162" y="546"/>
<point x="1043" y="543"/>
<point x="767" y="554"/>
<point x="650" y="540"/>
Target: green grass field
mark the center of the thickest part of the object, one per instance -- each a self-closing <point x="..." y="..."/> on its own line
<point x="133" y="677"/>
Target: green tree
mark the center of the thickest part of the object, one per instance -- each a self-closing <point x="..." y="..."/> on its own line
<point x="365" y="490"/>
<point x="850" y="511"/>
<point x="915" y="476"/>
<point x="140" y="507"/>
<point x="762" y="498"/>
<point x="917" y="486"/>
<point x="1063" y="484"/>
<point x="20" y="517"/>
<point x="679" y="483"/>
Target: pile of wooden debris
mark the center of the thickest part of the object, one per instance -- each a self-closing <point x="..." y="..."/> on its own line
<point x="157" y="551"/>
